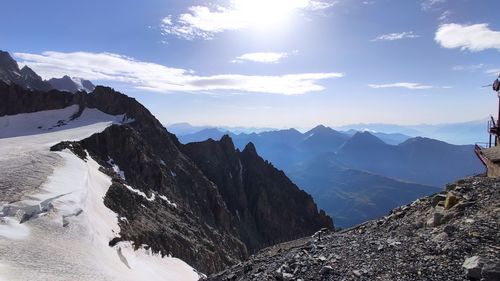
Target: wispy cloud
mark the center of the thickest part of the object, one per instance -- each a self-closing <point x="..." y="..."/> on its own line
<point x="428" y="5"/>
<point x="261" y="57"/>
<point x="204" y="21"/>
<point x="493" y="71"/>
<point x="396" y="36"/>
<point x="475" y="37"/>
<point x="445" y="16"/>
<point x="406" y="85"/>
<point x="472" y="67"/>
<point x="160" y="78"/>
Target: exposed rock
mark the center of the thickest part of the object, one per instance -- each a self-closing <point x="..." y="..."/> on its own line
<point x="491" y="271"/>
<point x="325" y="270"/>
<point x="437" y="198"/>
<point x="473" y="266"/>
<point x="252" y="188"/>
<point x="451" y="200"/>
<point x="425" y="253"/>
<point x="25" y="77"/>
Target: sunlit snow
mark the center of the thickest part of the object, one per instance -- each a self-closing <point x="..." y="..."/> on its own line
<point x="67" y="237"/>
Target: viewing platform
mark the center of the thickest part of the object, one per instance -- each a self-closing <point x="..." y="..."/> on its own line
<point x="490" y="158"/>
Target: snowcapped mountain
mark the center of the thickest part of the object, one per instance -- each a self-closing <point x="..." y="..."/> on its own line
<point x="71" y="84"/>
<point x="27" y="78"/>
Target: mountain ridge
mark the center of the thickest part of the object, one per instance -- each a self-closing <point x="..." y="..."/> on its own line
<point x="200" y="230"/>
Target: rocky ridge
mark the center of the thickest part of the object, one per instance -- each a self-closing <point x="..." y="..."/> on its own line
<point x="253" y="190"/>
<point x="164" y="199"/>
<point x="453" y="235"/>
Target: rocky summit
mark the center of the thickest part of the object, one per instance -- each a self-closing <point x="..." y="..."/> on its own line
<point x="452" y="235"/>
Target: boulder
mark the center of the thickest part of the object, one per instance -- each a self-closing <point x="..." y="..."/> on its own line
<point x="491" y="272"/>
<point x="451" y="200"/>
<point x="473" y="267"/>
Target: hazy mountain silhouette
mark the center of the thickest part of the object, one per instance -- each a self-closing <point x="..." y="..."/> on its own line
<point x="355" y="176"/>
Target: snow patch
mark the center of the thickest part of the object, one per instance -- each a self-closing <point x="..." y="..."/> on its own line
<point x="49" y="121"/>
<point x="10" y="228"/>
<point x="164" y="198"/>
<point x="80" y="184"/>
<point x="115" y="168"/>
<point x="68" y="240"/>
<point x="137" y="191"/>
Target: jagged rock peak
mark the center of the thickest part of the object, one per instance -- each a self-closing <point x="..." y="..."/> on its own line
<point x="227" y="141"/>
<point x="250" y="149"/>
<point x="7" y="62"/>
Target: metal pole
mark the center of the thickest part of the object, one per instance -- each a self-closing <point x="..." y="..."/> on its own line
<point x="498" y="121"/>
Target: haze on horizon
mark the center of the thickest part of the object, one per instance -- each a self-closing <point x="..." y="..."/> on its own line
<point x="272" y="63"/>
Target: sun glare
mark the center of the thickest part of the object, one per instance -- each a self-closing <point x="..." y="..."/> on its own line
<point x="267" y="13"/>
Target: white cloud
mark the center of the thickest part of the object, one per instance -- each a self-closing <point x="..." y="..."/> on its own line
<point x="262" y="57"/>
<point x="475" y="37"/>
<point x="428" y="5"/>
<point x="204" y="22"/>
<point x="160" y="78"/>
<point x="472" y="67"/>
<point x="407" y="85"/>
<point x="396" y="36"/>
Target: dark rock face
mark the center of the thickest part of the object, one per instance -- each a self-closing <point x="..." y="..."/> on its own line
<point x="168" y="199"/>
<point x="26" y="77"/>
<point x="254" y="190"/>
<point x="197" y="229"/>
<point x="404" y="245"/>
<point x="16" y="99"/>
<point x="71" y="85"/>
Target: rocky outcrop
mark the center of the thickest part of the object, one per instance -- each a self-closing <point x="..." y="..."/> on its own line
<point x="25" y="77"/>
<point x="464" y="245"/>
<point x="164" y="200"/>
<point x="253" y="190"/>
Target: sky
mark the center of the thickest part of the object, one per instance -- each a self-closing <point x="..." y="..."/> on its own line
<point x="271" y="63"/>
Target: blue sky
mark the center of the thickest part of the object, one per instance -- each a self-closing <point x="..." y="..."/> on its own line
<point x="272" y="63"/>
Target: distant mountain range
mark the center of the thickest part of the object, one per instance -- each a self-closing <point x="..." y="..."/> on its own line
<point x="186" y="128"/>
<point x="28" y="79"/>
<point x="357" y="175"/>
<point x="454" y="133"/>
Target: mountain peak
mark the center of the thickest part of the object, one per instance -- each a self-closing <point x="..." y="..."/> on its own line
<point x="321" y="129"/>
<point x="72" y="84"/>
<point x="364" y="139"/>
<point x="26" y="72"/>
<point x="250" y="149"/>
<point x="227" y="142"/>
<point x="7" y="62"/>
